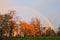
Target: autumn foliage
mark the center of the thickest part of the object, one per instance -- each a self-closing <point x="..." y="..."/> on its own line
<point x="33" y="29"/>
<point x="28" y="28"/>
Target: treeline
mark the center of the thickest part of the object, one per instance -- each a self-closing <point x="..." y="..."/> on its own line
<point x="10" y="28"/>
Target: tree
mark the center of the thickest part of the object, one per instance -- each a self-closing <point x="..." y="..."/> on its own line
<point x="11" y="14"/>
<point x="46" y="30"/>
<point x="27" y="29"/>
<point x="52" y="33"/>
<point x="1" y="32"/>
<point x="5" y="21"/>
<point x="58" y="32"/>
<point x="37" y="25"/>
<point x="49" y="31"/>
<point x="14" y="29"/>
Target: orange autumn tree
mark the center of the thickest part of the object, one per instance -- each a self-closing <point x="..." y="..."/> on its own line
<point x="27" y="29"/>
<point x="37" y="25"/>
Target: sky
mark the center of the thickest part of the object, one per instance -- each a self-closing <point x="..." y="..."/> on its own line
<point x="49" y="8"/>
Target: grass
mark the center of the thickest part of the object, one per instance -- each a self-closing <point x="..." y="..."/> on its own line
<point x="35" y="38"/>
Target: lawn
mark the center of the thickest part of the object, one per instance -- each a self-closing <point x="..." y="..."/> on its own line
<point x="34" y="38"/>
